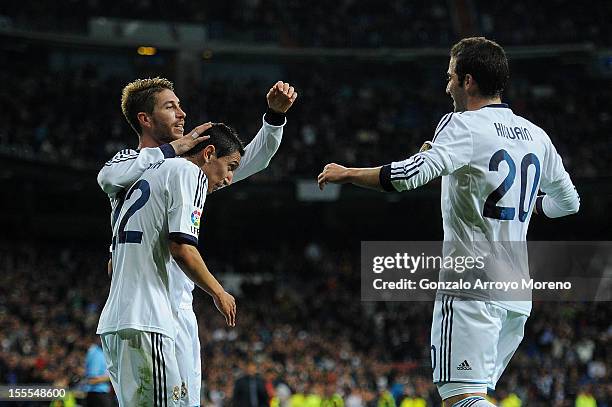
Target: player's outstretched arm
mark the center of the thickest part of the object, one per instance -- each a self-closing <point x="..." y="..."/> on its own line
<point x="127" y="166"/>
<point x="338" y="174"/>
<point x="192" y="264"/>
<point x="259" y="152"/>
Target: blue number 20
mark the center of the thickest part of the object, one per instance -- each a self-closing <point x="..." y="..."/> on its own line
<point x="490" y="209"/>
<point x="132" y="236"/>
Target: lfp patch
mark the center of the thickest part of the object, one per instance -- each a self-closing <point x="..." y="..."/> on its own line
<point x="195" y="218"/>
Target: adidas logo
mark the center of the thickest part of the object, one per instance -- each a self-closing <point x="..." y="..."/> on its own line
<point x="464" y="366"/>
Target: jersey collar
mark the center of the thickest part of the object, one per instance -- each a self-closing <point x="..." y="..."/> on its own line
<point x="501" y="105"/>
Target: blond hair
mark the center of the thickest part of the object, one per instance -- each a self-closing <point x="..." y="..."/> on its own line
<point x="139" y="96"/>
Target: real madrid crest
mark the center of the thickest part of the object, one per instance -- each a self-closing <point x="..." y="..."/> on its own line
<point x="426" y="146"/>
<point x="183" y="390"/>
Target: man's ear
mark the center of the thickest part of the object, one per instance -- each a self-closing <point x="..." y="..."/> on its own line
<point x="144" y="120"/>
<point x="208" y="153"/>
<point x="470" y="85"/>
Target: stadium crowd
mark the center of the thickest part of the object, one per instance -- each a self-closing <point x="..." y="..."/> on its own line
<point x="347" y="23"/>
<point x="301" y="325"/>
<point x="356" y="121"/>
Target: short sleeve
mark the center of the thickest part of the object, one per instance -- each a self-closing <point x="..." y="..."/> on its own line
<point x="186" y="195"/>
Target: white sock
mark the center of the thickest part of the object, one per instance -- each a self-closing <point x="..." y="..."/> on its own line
<point x="474" y="401"/>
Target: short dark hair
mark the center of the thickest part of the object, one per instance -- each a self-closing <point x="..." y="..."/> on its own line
<point x="140" y="96"/>
<point x="485" y="60"/>
<point x="223" y="137"/>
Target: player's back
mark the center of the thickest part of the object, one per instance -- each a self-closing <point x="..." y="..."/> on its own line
<point x="142" y="295"/>
<point x="487" y="202"/>
<point x="491" y="198"/>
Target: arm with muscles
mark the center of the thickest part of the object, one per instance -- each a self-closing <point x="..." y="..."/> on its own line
<point x="362" y="177"/>
<point x="561" y="197"/>
<point x="128" y="165"/>
<point x="192" y="264"/>
<point x="451" y="150"/>
<point x="259" y="152"/>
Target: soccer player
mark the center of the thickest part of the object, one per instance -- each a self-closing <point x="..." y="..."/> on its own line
<point x="157" y="222"/>
<point x="144" y="104"/>
<point x="487" y="157"/>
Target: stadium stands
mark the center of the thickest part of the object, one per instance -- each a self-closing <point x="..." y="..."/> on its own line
<point x="353" y="121"/>
<point x="304" y="326"/>
<point x="346" y="24"/>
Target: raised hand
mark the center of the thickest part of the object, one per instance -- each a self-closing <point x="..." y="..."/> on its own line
<point x="281" y="97"/>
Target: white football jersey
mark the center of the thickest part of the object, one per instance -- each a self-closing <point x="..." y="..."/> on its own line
<point x="164" y="204"/>
<point x="492" y="164"/>
<point x="128" y="165"/>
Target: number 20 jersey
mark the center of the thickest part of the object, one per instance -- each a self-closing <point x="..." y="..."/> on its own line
<point x="492" y="164"/>
<point x="164" y="204"/>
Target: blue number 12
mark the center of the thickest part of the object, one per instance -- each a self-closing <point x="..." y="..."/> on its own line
<point x="132" y="236"/>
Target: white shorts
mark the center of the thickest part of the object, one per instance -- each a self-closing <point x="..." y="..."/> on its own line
<point x="142" y="367"/>
<point x="188" y="356"/>
<point x="472" y="342"/>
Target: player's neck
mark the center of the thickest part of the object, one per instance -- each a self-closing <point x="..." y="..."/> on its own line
<point x="196" y="159"/>
<point x="146" y="141"/>
<point x="475" y="103"/>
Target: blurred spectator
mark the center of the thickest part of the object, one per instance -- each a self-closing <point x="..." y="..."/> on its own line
<point x="69" y="399"/>
<point x="96" y="374"/>
<point x="250" y="390"/>
<point x="585" y="398"/>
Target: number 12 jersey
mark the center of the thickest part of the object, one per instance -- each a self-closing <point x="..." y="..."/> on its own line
<point x="165" y="204"/>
